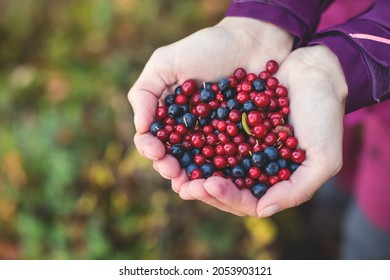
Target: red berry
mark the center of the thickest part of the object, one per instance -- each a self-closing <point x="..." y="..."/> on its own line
<point x="260" y="130"/>
<point x="272" y="83"/>
<point x="198" y="140"/>
<point x="196" y="174"/>
<point x="161" y="112"/>
<point x="254" y="172"/>
<point x="203" y="110"/>
<point x="231" y="129"/>
<point x="298" y="156"/>
<point x="281" y="91"/>
<point x="234" y="116"/>
<point x="189" y="87"/>
<point x="272" y="66"/>
<point x="239" y="74"/>
<point x="264" y="75"/>
<point x="253" y="118"/>
<point x="285" y="152"/>
<point x="219" y="161"/>
<point x="284" y="174"/>
<point x="251" y="77"/>
<point x="291" y="142"/>
<point x="261" y="100"/>
<point x="208" y="151"/>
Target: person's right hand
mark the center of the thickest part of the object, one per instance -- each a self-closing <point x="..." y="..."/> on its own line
<point x="207" y="55"/>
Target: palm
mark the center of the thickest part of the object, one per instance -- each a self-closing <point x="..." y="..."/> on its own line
<point x="316" y="94"/>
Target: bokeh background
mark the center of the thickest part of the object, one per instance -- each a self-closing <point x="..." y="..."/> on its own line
<point x="72" y="185"/>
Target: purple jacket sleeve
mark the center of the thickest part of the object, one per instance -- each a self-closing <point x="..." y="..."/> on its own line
<point x="299" y="17"/>
<point x="362" y="46"/>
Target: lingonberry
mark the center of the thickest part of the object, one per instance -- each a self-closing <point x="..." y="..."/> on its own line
<point x="189" y="87"/>
<point x="235" y="128"/>
<point x="272" y="66"/>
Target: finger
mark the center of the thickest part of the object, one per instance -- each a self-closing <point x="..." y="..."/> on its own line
<point x="197" y="190"/>
<point x="228" y="194"/>
<point x="157" y="76"/>
<point x="301" y="186"/>
<point x="178" y="181"/>
<point x="149" y="146"/>
<point x="184" y="194"/>
<point x="168" y="167"/>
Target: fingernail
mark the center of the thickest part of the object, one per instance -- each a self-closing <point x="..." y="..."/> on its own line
<point x="135" y="118"/>
<point x="269" y="211"/>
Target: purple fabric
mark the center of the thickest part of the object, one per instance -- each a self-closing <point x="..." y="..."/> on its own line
<point x="299" y="17"/>
<point x="365" y="62"/>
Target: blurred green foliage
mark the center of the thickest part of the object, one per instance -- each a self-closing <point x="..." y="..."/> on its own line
<point x="72" y="186"/>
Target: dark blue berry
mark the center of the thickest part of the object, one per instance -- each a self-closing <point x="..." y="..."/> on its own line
<point x="259" y="189"/>
<point x="238" y="171"/>
<point x="282" y="163"/>
<point x="224" y="84"/>
<point x="259" y="159"/>
<point x="222" y="113"/>
<point x="155" y="127"/>
<point x="233" y="104"/>
<point x="204" y="121"/>
<point x="292" y="166"/>
<point x="259" y="85"/>
<point x="195" y="151"/>
<point x="175" y="111"/>
<point x="189" y="120"/>
<point x="178" y="90"/>
<point x="229" y="93"/>
<point x="246" y="163"/>
<point x="185" y="160"/>
<point x="177" y="150"/>
<point x="185" y="108"/>
<point x="206" y="95"/>
<point x="271" y="152"/>
<point x="207" y="169"/>
<point x="248" y="106"/>
<point x="169" y="99"/>
<point x="272" y="168"/>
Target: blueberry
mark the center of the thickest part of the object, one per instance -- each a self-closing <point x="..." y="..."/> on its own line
<point x="207" y="169"/>
<point x="206" y="95"/>
<point x="292" y="166"/>
<point x="191" y="167"/>
<point x="272" y="168"/>
<point x="248" y="106"/>
<point x="185" y="108"/>
<point x="238" y="171"/>
<point x="224" y="84"/>
<point x="259" y="85"/>
<point x="207" y="85"/>
<point x="195" y="151"/>
<point x="178" y="90"/>
<point x="246" y="163"/>
<point x="271" y="152"/>
<point x="282" y="163"/>
<point x="169" y="99"/>
<point x="229" y="93"/>
<point x="222" y="113"/>
<point x="259" y="189"/>
<point x="155" y="127"/>
<point x="227" y="171"/>
<point x="204" y="121"/>
<point x="177" y="150"/>
<point x="175" y="111"/>
<point x="233" y="104"/>
<point x="259" y="159"/>
<point x="189" y="120"/>
<point x="185" y="160"/>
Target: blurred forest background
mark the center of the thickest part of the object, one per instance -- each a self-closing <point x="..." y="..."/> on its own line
<point x="72" y="186"/>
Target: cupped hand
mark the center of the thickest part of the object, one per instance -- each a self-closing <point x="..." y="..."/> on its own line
<point x="207" y="55"/>
<point x="317" y="92"/>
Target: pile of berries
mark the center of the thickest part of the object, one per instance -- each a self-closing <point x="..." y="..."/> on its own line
<point x="235" y="128"/>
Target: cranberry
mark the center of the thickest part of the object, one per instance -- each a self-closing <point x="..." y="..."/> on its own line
<point x="219" y="161"/>
<point x="291" y="142"/>
<point x="272" y="66"/>
<point x="298" y="156"/>
<point x="272" y="82"/>
<point x="189" y="87"/>
<point x="197" y="140"/>
<point x="239" y="74"/>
